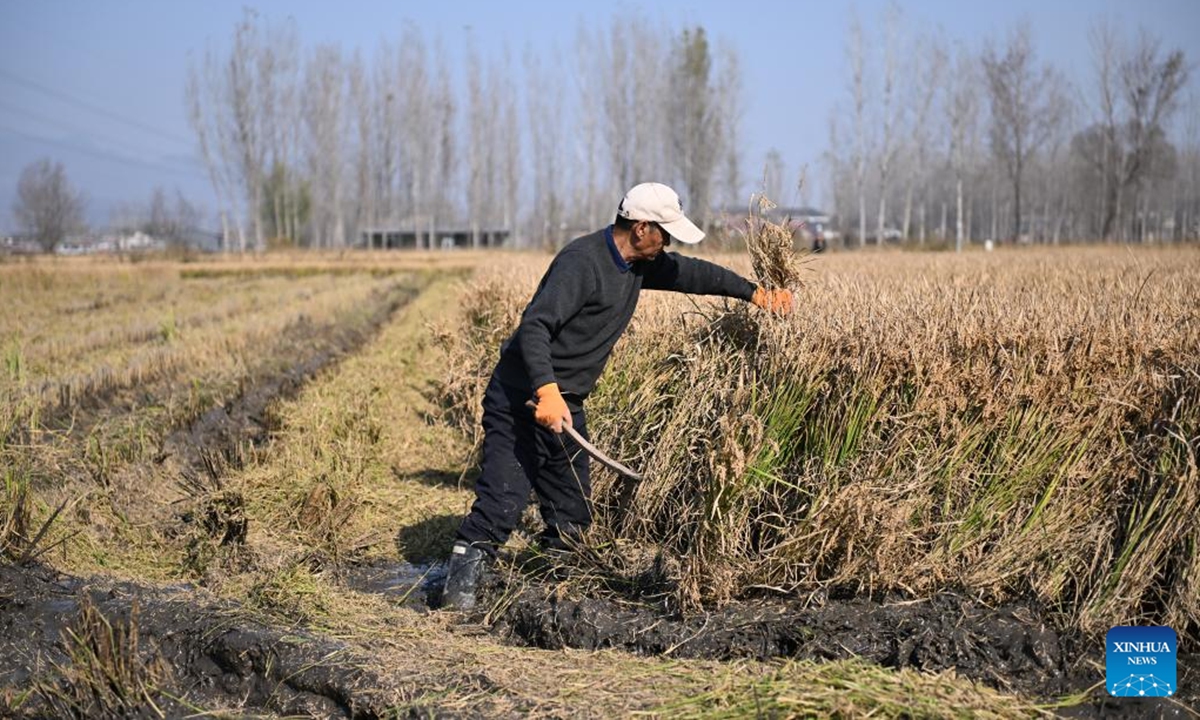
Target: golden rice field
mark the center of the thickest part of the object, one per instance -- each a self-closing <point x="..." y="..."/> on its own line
<point x="1008" y="423"/>
<point x="203" y="461"/>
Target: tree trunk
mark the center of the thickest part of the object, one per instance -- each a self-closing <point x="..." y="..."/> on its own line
<point x="959" y="228"/>
<point x="1016" y="215"/>
<point x="907" y="223"/>
<point x="995" y="214"/>
<point x="225" y="232"/>
<point x="882" y="214"/>
<point x="862" y="217"/>
<point x="969" y="228"/>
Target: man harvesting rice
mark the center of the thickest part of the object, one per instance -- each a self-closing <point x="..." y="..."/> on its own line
<point x="581" y="307"/>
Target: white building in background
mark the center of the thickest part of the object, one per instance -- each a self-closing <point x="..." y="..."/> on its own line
<point x="138" y="242"/>
<point x="10" y="245"/>
<point x="110" y="242"/>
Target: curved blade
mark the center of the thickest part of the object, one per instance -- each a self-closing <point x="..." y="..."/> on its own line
<point x="592" y="450"/>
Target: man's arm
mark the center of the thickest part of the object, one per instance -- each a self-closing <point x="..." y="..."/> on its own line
<point x="670" y="271"/>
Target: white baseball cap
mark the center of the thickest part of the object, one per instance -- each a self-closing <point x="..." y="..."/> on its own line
<point x="660" y="204"/>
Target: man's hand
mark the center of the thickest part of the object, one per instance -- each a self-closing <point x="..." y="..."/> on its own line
<point x="552" y="410"/>
<point x="776" y="301"/>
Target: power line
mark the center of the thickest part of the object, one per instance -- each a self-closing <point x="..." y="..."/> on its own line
<point x="125" y="147"/>
<point x="32" y="85"/>
<point x="104" y="155"/>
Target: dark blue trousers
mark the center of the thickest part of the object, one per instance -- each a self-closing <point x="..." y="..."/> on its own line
<point x="520" y="455"/>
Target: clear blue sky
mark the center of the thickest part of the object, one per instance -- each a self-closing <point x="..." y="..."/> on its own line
<point x="99" y="84"/>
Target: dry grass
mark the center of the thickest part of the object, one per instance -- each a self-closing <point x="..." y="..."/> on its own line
<point x="1015" y="423"/>
<point x="74" y="337"/>
<point x="355" y="459"/>
<point x="850" y="689"/>
<point x="105" y="360"/>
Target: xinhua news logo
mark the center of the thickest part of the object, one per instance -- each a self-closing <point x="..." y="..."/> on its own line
<point x="1140" y="661"/>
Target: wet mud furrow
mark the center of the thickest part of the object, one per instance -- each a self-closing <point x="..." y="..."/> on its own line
<point x="197" y="652"/>
<point x="1012" y="647"/>
<point x="227" y="429"/>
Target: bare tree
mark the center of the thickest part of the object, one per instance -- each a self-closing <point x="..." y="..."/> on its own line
<point x="891" y="110"/>
<point x="731" y="106"/>
<point x="772" y="178"/>
<point x="380" y="126"/>
<point x="323" y="119"/>
<point x="963" y="109"/>
<point x="1189" y="211"/>
<point x="1027" y="101"/>
<point x="508" y="131"/>
<point x="445" y="159"/>
<point x="858" y="91"/>
<point x="277" y="100"/>
<point x="174" y="221"/>
<point x="839" y="178"/>
<point x="480" y="146"/>
<point x="360" y="104"/>
<point x="242" y="86"/>
<point x="1150" y="86"/>
<point x="928" y="63"/>
<point x="47" y="207"/>
<point x="592" y="190"/>
<point x="694" y="130"/>
<point x="1103" y="155"/>
<point x="201" y="96"/>
<point x="631" y="101"/>
<point x="546" y="135"/>
<point x="417" y="151"/>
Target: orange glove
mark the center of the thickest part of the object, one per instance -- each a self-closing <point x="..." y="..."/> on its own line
<point x="776" y="301"/>
<point x="552" y="410"/>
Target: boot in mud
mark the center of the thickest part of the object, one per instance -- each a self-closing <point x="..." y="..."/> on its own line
<point x="462" y="577"/>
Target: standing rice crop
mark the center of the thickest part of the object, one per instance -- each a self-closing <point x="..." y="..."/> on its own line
<point x="1020" y="423"/>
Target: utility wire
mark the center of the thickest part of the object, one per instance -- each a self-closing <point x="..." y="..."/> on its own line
<point x="104" y="155"/>
<point x="123" y="146"/>
<point x="36" y="86"/>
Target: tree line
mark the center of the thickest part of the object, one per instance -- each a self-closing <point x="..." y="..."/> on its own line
<point x="311" y="146"/>
<point x="934" y="141"/>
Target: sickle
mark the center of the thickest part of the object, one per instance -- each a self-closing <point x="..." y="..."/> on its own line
<point x="592" y="450"/>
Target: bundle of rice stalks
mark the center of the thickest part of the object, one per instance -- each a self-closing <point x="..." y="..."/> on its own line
<point x="772" y="247"/>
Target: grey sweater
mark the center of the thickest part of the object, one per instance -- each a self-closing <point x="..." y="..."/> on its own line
<point x="583" y="304"/>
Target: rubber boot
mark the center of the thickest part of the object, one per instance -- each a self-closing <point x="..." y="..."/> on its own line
<point x="462" y="577"/>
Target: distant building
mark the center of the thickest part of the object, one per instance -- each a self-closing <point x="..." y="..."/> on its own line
<point x="444" y="238"/>
<point x="17" y="245"/>
<point x="199" y="240"/>
<point x="102" y="243"/>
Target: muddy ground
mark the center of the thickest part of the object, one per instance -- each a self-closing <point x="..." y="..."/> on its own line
<point x="188" y="650"/>
<point x="205" y="653"/>
<point x="1013" y="647"/>
<point x="212" y="654"/>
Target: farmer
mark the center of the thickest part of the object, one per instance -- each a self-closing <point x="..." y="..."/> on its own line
<point x="582" y="305"/>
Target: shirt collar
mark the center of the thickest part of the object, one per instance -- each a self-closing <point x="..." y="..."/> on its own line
<point x="612" y="248"/>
